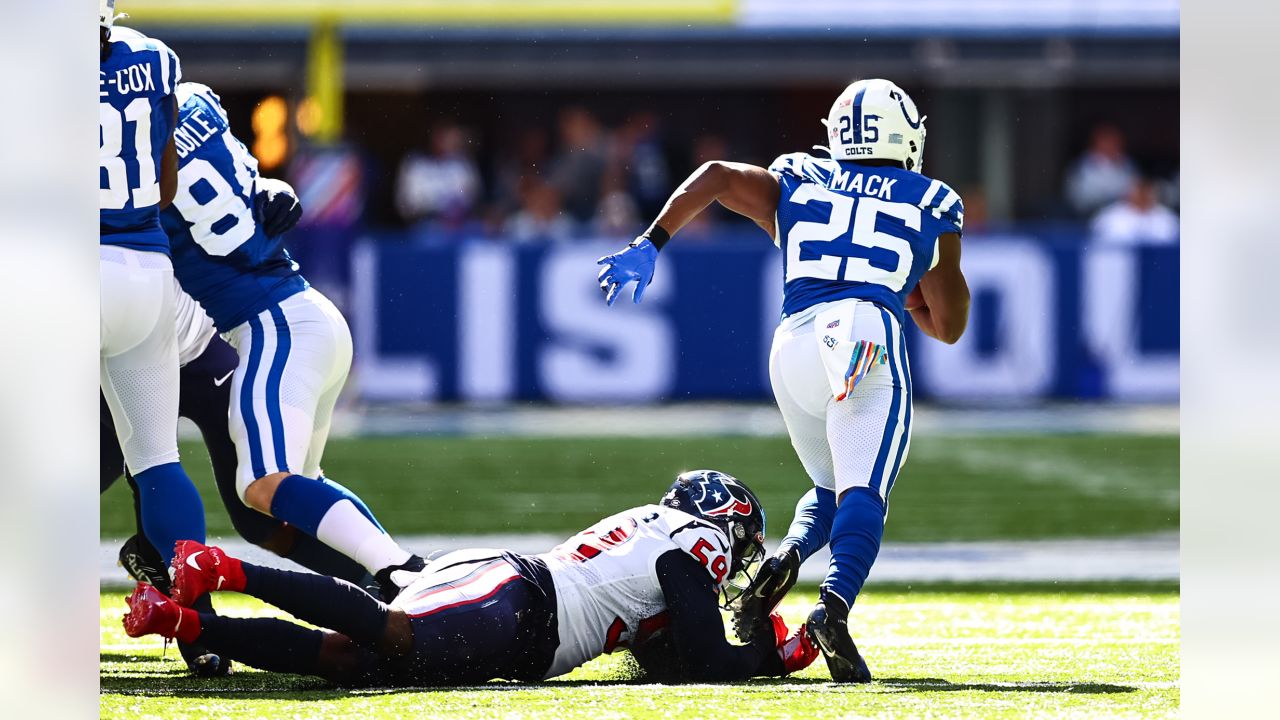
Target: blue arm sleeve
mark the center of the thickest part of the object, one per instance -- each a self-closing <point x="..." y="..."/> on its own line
<point x="811" y="528"/>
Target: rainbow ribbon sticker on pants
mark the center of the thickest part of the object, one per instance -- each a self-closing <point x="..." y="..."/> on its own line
<point x="866" y="355"/>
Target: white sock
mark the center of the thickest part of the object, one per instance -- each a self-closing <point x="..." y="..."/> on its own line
<point x="345" y="529"/>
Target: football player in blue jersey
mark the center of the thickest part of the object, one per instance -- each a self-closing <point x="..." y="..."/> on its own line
<point x="294" y="346"/>
<point x="137" y="174"/>
<point x="866" y="239"/>
<point x="206" y="365"/>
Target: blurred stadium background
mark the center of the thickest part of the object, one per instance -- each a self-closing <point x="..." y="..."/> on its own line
<point x="463" y="163"/>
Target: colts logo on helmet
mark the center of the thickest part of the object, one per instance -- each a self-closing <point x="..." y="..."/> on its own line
<point x="717" y="500"/>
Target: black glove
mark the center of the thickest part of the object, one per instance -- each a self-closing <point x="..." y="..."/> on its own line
<point x="777" y="576"/>
<point x="276" y="206"/>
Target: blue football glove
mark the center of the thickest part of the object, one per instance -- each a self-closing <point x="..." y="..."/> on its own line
<point x="276" y="206"/>
<point x="636" y="262"/>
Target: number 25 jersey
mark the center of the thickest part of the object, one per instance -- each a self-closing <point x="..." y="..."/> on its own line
<point x="606" y="578"/>
<point x="856" y="231"/>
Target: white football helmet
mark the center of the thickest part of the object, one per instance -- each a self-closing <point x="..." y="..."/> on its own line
<point x="107" y="13"/>
<point x="876" y="120"/>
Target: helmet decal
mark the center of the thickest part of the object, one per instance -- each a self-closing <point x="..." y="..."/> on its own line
<point x="915" y="124"/>
<point x="718" y="500"/>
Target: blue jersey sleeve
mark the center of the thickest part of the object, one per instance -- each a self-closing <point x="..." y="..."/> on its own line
<point x="945" y="205"/>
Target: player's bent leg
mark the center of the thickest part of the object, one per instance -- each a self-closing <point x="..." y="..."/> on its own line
<point x="802" y="395"/>
<point x="292" y="356"/>
<point x="796" y="375"/>
<point x="324" y="601"/>
<point x="139" y="380"/>
<point x="870" y="433"/>
<point x="477" y="621"/>
<point x="206" y="401"/>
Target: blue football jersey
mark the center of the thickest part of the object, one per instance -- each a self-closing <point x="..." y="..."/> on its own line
<point x="135" y="121"/>
<point x="856" y="231"/>
<point x="221" y="257"/>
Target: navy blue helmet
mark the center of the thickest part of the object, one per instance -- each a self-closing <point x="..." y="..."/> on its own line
<point x="722" y="500"/>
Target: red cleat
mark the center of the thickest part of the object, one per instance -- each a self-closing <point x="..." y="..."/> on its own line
<point x="151" y="612"/>
<point x="198" y="569"/>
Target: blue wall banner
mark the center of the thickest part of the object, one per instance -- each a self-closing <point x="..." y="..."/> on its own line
<point x="1053" y="317"/>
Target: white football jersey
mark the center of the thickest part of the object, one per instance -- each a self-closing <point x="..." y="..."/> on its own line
<point x="606" y="578"/>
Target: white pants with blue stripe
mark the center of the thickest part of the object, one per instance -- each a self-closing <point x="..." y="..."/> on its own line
<point x="294" y="360"/>
<point x="862" y="440"/>
<point x="138" y="367"/>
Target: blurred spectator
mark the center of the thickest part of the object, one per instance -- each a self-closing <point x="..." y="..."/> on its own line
<point x="530" y="159"/>
<point x="647" y="179"/>
<point x="540" y="218"/>
<point x="442" y="185"/>
<point x="708" y="147"/>
<point x="1103" y="174"/>
<point x="617" y="217"/>
<point x="578" y="168"/>
<point x="1139" y="219"/>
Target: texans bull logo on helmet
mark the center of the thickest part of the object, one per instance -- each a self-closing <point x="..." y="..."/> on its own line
<point x="714" y="498"/>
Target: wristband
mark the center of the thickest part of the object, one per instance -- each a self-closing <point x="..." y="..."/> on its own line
<point x="657" y="236"/>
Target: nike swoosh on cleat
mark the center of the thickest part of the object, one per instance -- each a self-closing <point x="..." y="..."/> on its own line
<point x="191" y="561"/>
<point x="217" y="382"/>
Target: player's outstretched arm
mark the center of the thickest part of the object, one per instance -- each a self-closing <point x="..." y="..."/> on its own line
<point x="698" y="635"/>
<point x="748" y="190"/>
<point x="940" y="306"/>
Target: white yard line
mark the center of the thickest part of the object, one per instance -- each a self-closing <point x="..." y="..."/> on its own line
<point x="1146" y="558"/>
<point x="706" y="418"/>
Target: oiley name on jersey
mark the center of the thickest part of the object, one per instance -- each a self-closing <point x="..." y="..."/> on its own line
<point x="857" y="231"/>
<point x="220" y="254"/>
<point x="135" y="120"/>
<point x="606" y="579"/>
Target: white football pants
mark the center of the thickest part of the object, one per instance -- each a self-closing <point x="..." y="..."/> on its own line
<point x="139" y="354"/>
<point x="862" y="440"/>
<point x="294" y="360"/>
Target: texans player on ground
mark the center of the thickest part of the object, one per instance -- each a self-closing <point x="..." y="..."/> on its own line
<point x="865" y="239"/>
<point x="648" y="575"/>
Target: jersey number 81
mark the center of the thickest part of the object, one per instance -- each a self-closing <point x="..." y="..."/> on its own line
<point x="111" y="124"/>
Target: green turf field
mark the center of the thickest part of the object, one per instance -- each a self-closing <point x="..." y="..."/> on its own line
<point x="953" y="488"/>
<point x="1014" y="653"/>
